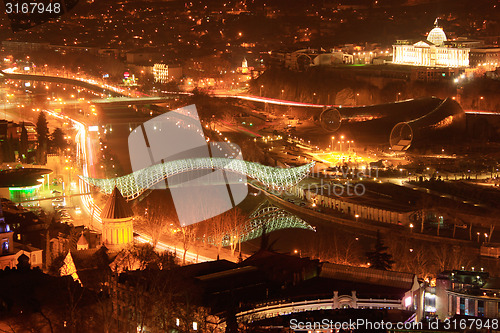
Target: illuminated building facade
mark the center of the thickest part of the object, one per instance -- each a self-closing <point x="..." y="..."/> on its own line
<point x="163" y="73"/>
<point x="117" y="224"/>
<point x="461" y="293"/>
<point x="433" y="52"/>
<point x="11" y="252"/>
<point x="485" y="57"/>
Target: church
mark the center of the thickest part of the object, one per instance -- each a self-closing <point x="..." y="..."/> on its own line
<point x="435" y="51"/>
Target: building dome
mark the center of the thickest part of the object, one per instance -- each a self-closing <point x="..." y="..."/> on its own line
<point x="436" y="36"/>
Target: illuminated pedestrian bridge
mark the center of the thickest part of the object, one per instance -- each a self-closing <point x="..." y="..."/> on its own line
<point x="133" y="185"/>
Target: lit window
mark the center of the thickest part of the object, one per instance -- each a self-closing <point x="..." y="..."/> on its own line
<point x="5" y="246"/>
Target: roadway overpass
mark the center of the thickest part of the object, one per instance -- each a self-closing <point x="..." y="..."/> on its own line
<point x="124" y="100"/>
<point x="63" y="80"/>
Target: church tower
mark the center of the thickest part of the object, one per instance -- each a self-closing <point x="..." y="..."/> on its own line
<point x="117" y="224"/>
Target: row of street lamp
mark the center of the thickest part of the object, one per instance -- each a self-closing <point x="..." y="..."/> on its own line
<point x="340" y="142"/>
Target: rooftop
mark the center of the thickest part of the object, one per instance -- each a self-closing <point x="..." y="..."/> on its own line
<point x="22" y="177"/>
<point x="368" y="275"/>
<point x="116" y="207"/>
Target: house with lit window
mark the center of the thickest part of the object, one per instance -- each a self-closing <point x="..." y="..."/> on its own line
<point x="10" y="251"/>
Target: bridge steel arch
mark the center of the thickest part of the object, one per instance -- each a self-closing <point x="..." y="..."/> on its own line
<point x="269" y="218"/>
<point x="133" y="185"/>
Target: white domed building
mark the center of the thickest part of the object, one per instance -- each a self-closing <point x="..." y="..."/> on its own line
<point x="437" y="36"/>
<point x="432" y="52"/>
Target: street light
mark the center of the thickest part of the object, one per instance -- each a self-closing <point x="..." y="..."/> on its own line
<point x="356" y="216"/>
<point x="411" y="227"/>
<point x="260" y="90"/>
<point x="478" y="234"/>
<point x="333" y="138"/>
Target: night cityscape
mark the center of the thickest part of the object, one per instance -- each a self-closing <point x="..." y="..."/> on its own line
<point x="249" y="166"/>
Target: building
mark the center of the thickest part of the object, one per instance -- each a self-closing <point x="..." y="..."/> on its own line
<point x="164" y="73"/>
<point x="304" y="58"/>
<point x="82" y="243"/>
<point x="145" y="55"/>
<point x="432" y="52"/>
<point x="459" y="293"/>
<point x="11" y="251"/>
<point x="485" y="56"/>
<point x="367" y="207"/>
<point x="266" y="286"/>
<point x="23" y="184"/>
<point x="9" y="129"/>
<point x="117" y="222"/>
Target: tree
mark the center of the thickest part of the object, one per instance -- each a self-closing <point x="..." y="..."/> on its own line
<point x="42" y="131"/>
<point x="188" y="238"/>
<point x="23" y="145"/>
<point x="142" y="256"/>
<point x="236" y="219"/>
<point x="155" y="217"/>
<point x="379" y="258"/>
<point x="58" y="142"/>
<point x="218" y="230"/>
<point x="14" y="144"/>
<point x="8" y="150"/>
